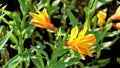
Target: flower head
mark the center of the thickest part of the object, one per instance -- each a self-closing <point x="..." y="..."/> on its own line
<point x="81" y="42"/>
<point x="116" y="25"/>
<point x="116" y="15"/>
<point x="101" y="17"/>
<point x="41" y="19"/>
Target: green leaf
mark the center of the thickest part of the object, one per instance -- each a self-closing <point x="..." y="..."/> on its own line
<point x="13" y="39"/>
<point x="5" y="20"/>
<point x="99" y="36"/>
<point x="61" y="52"/>
<point x="35" y="60"/>
<point x="59" y="42"/>
<point x="1" y="29"/>
<point x="28" y="30"/>
<point x="41" y="4"/>
<point x="26" y="57"/>
<point x="41" y="52"/>
<point x="54" y="7"/>
<point x="1" y="16"/>
<point x="55" y="3"/>
<point x="60" y="65"/>
<point x="109" y="43"/>
<point x="4" y="39"/>
<point x="103" y="62"/>
<point x="13" y="62"/>
<point x="24" y="5"/>
<point x="72" y="18"/>
<point x="51" y="45"/>
<point x="105" y="1"/>
<point x="14" y="15"/>
<point x="113" y="33"/>
<point x="118" y="60"/>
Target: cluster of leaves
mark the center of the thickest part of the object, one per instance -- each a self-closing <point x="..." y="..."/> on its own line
<point x="52" y="53"/>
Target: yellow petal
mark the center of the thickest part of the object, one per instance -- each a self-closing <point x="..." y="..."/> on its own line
<point x="118" y="11"/>
<point x="37" y="10"/>
<point x="35" y="16"/>
<point x="45" y="13"/>
<point x="88" y="40"/>
<point x="83" y="31"/>
<point x="39" y="17"/>
<point x="100" y="22"/>
<point x="101" y="14"/>
<point x="38" y="23"/>
<point x="74" y="33"/>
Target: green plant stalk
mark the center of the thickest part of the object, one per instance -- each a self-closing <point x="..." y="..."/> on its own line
<point x="20" y="47"/>
<point x="91" y="10"/>
<point x="64" y="13"/>
<point x="23" y="22"/>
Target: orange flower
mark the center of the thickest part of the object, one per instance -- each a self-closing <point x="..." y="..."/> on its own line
<point x="116" y="15"/>
<point x="82" y="42"/>
<point x="41" y="19"/>
<point x="101" y="17"/>
<point x="116" y="25"/>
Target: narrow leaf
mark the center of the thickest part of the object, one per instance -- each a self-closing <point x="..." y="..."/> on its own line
<point x="12" y="63"/>
<point x="59" y="42"/>
<point x="73" y="20"/>
<point x="4" y="39"/>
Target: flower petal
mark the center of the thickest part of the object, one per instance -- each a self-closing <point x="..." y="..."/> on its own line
<point x="38" y="23"/>
<point x="35" y="16"/>
<point x="101" y="15"/>
<point x="116" y="16"/>
<point x="84" y="50"/>
<point x="88" y="40"/>
<point x="47" y="19"/>
<point x="37" y="10"/>
<point x="83" y="31"/>
<point x="74" y="33"/>
<point x="118" y="10"/>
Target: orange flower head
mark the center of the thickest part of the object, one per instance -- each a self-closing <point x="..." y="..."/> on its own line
<point x="101" y="17"/>
<point x="116" y="15"/>
<point x="116" y="25"/>
<point x="81" y="42"/>
<point x="41" y="19"/>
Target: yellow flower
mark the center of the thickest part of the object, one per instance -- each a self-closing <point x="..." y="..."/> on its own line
<point x="101" y="17"/>
<point x="116" y="15"/>
<point x="41" y="19"/>
<point x="81" y="42"/>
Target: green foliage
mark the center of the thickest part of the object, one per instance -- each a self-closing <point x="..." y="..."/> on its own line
<point x="40" y="48"/>
<point x="72" y="18"/>
<point x="4" y="39"/>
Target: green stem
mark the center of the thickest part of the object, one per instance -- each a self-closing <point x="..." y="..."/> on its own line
<point x="20" y="48"/>
<point x="64" y="13"/>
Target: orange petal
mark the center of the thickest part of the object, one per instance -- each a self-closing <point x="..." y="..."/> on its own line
<point x="47" y="20"/>
<point x="116" y="25"/>
<point x="83" y="50"/>
<point x="100" y="22"/>
<point x="116" y="16"/>
<point x="38" y="24"/>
